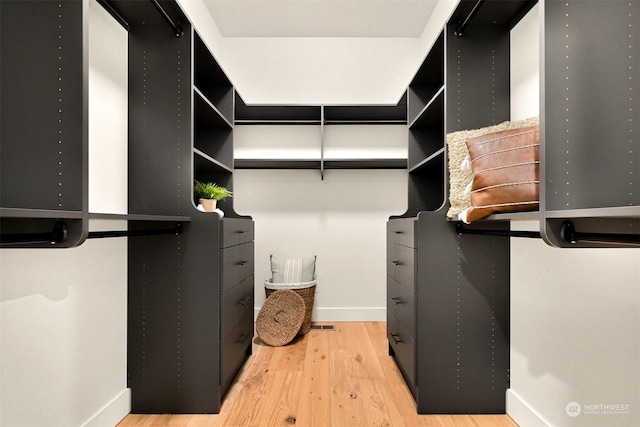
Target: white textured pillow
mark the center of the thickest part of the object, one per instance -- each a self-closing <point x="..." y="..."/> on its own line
<point x="292" y="270"/>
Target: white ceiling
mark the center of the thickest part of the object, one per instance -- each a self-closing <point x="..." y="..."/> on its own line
<point x="320" y="18"/>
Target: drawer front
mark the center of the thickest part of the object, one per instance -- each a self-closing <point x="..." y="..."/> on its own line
<point x="403" y="348"/>
<point x="237" y="265"/>
<point x="236" y="231"/>
<point x="401" y="303"/>
<point x="233" y="351"/>
<point x="401" y="265"/>
<point x="236" y="305"/>
<point x="402" y="231"/>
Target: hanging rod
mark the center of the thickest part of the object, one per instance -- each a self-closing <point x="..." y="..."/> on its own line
<point x="461" y="229"/>
<point x="59" y="234"/>
<point x="569" y="234"/>
<point x="459" y="31"/>
<point x="177" y="28"/>
<point x="177" y="230"/>
<point x="107" y="6"/>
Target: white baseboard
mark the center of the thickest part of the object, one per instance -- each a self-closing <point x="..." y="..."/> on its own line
<point x="346" y="314"/>
<point x="113" y="412"/>
<point x="522" y="413"/>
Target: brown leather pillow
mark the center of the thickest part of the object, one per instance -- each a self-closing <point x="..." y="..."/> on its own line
<point x="505" y="172"/>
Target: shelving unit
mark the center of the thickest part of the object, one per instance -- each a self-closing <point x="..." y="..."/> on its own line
<point x="448" y="285"/>
<point x="321" y="116"/>
<point x="182" y="354"/>
<point x="190" y="274"/>
<point x="448" y="293"/>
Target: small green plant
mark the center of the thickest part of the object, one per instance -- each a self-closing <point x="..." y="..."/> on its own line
<point x="210" y="190"/>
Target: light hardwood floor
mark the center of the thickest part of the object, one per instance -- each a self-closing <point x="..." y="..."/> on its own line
<point x="330" y="378"/>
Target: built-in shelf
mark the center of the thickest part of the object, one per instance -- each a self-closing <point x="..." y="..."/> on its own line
<point x="317" y="163"/>
<point x="39" y="213"/>
<point x="323" y="116"/>
<point x="135" y="217"/>
<point x="205" y="162"/>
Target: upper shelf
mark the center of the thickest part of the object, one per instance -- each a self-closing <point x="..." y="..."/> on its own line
<point x="321" y="115"/>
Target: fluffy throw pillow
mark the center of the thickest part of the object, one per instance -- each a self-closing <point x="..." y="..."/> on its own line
<point x="292" y="270"/>
<point x="505" y="172"/>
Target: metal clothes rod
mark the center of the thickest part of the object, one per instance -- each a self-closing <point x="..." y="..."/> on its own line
<point x="177" y="28"/>
<point x="570" y="235"/>
<point x="505" y="233"/>
<point x="460" y="27"/>
<point x="59" y="234"/>
<point x="177" y="230"/>
<point x="105" y="4"/>
<point x="567" y="232"/>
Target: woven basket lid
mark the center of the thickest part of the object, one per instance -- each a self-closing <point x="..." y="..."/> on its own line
<point x="280" y="318"/>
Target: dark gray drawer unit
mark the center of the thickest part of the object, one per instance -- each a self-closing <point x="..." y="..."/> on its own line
<point x="236" y="231"/>
<point x="401" y="287"/>
<point x="236" y="330"/>
<point x="236" y="297"/>
<point x="448" y="314"/>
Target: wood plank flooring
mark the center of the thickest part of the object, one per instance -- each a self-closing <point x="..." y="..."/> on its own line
<point x="329" y="378"/>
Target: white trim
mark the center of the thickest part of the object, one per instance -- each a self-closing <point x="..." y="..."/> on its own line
<point x="345" y="314"/>
<point x="522" y="413"/>
<point x="113" y="412"/>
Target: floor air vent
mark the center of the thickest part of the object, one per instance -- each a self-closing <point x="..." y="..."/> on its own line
<point x="323" y="327"/>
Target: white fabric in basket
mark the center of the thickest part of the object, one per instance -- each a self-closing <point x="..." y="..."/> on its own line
<point x="292" y="270"/>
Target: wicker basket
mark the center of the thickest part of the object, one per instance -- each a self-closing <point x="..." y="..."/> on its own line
<point x="307" y="290"/>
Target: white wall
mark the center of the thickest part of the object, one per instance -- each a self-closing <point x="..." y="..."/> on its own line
<point x="575" y="313"/>
<point x="341" y="219"/>
<point x="63" y="313"/>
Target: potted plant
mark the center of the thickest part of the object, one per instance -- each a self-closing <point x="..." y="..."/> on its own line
<point x="209" y="193"/>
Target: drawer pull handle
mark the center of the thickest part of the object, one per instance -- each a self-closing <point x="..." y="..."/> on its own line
<point x="243" y="338"/>
<point x="398" y="232"/>
<point x="241" y="263"/>
<point x="396" y="263"/>
<point x="396" y="338"/>
<point x="396" y="300"/>
<point x="244" y="300"/>
<point x="240" y="231"/>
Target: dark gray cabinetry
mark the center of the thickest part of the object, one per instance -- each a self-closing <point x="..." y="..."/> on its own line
<point x="190" y="314"/>
<point x="448" y="294"/>
<point x="44" y="113"/>
<point x="590" y="126"/>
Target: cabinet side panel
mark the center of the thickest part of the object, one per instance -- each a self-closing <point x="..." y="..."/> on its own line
<point x="173" y="320"/>
<point x="463" y="312"/>
<point x="591" y="130"/>
<point x="43" y="137"/>
<point x="159" y="120"/>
